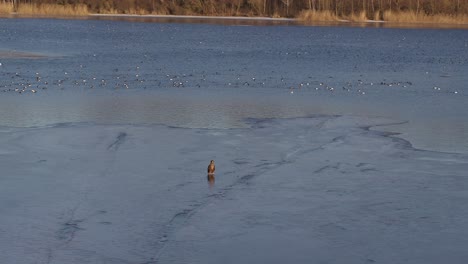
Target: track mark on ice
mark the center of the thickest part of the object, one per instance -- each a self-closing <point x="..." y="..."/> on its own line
<point x="175" y="223"/>
<point x="118" y="141"/>
<point x="182" y="217"/>
<point x="332" y="227"/>
<point x="240" y="161"/>
<point x="69" y="228"/>
<point x="328" y="167"/>
<point x="66" y="233"/>
<point x="365" y="167"/>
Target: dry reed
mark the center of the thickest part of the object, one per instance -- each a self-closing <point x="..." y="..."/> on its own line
<point x="312" y="15"/>
<point x="6" y="8"/>
<point x="360" y="17"/>
<point x="110" y="11"/>
<point x="413" y="17"/>
<point x="53" y="10"/>
<point x="306" y="15"/>
<point x="395" y="17"/>
<point x="377" y="16"/>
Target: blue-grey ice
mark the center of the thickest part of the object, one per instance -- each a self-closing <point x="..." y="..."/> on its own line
<point x="306" y="190"/>
<point x="332" y="144"/>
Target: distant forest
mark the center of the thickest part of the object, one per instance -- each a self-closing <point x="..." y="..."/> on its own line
<point x="269" y="8"/>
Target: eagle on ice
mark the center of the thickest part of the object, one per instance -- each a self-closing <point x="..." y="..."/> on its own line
<point x="211" y="168"/>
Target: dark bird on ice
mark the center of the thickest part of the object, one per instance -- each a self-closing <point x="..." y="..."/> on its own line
<point x="211" y="167"/>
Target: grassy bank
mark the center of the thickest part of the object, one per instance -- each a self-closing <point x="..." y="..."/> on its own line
<point x="413" y="17"/>
<point x="388" y="16"/>
<point x="69" y="10"/>
<point x="53" y="10"/>
<point x="6" y="8"/>
<point x="44" y="10"/>
<point x="317" y="16"/>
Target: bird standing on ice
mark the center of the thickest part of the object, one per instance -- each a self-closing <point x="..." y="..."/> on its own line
<point x="211" y="168"/>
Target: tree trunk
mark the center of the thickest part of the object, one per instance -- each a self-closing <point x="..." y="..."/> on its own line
<point x="336" y="8"/>
<point x="287" y="3"/>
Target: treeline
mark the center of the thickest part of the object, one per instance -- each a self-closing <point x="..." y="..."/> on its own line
<point x="269" y="8"/>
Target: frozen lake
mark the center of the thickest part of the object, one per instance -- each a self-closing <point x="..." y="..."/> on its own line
<point x="332" y="144"/>
<point x="121" y="72"/>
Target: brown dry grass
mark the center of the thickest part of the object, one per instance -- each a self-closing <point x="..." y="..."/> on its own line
<point x="311" y="15"/>
<point x="65" y="10"/>
<point x="53" y="10"/>
<point x="111" y="11"/>
<point x="377" y="16"/>
<point x="413" y="17"/>
<point x="45" y="9"/>
<point x="6" y="8"/>
<point x="400" y="17"/>
<point x="360" y="17"/>
<point x="306" y="15"/>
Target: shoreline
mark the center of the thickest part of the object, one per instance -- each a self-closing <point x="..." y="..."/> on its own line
<point x="196" y="17"/>
<point x="286" y="21"/>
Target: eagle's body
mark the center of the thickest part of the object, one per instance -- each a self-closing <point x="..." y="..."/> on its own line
<point x="211" y="167"/>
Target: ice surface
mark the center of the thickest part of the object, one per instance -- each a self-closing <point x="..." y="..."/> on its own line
<point x="105" y="161"/>
<point x="320" y="189"/>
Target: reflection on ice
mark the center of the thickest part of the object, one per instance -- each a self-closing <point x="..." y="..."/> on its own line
<point x="13" y="54"/>
<point x="211" y="180"/>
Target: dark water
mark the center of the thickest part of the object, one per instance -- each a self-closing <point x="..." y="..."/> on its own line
<point x="215" y="76"/>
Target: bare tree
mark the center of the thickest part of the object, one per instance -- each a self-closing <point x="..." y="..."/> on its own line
<point x="287" y="3"/>
<point x="266" y="7"/>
